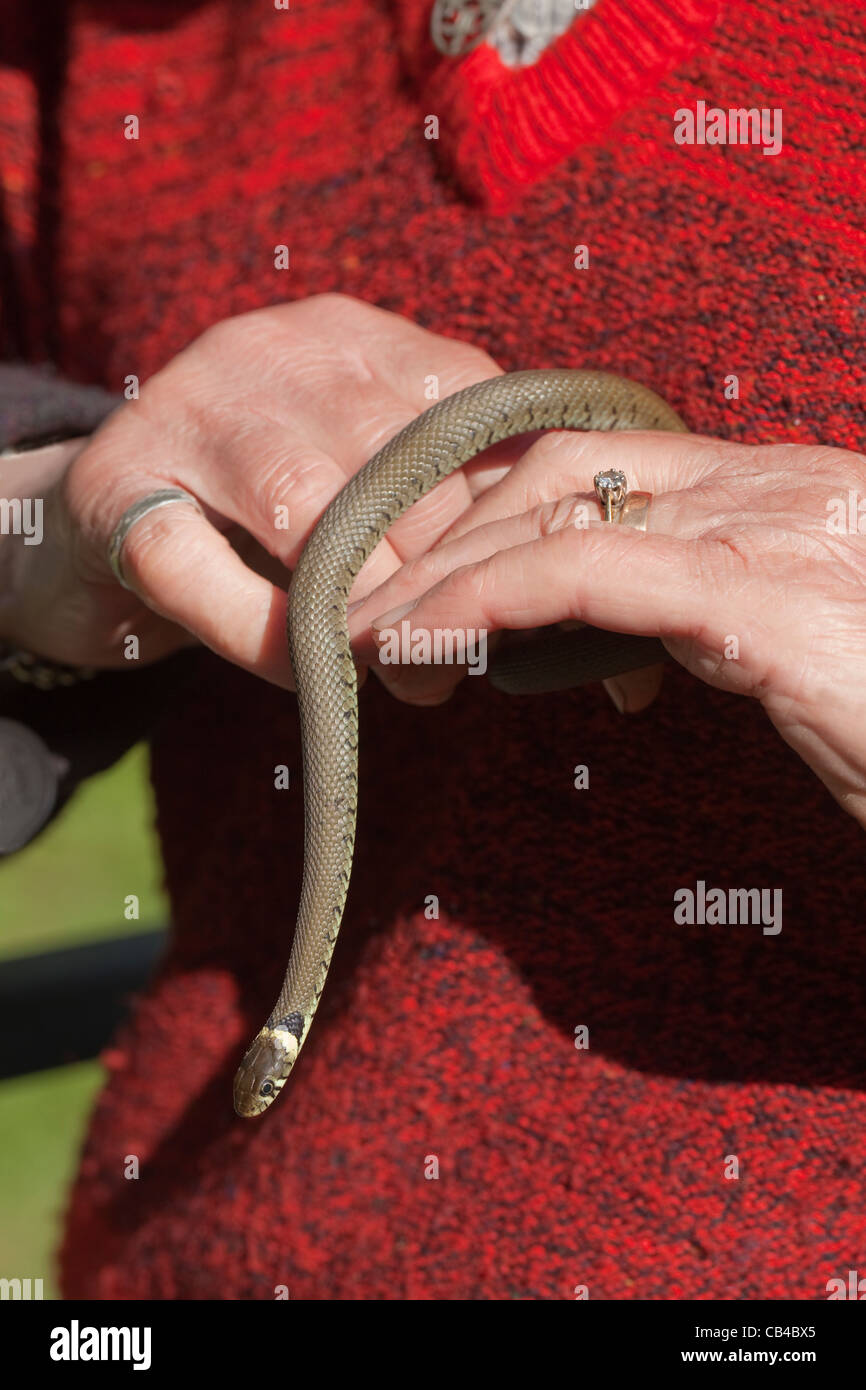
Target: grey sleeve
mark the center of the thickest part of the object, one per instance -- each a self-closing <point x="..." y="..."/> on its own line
<point x="52" y="740"/>
<point x="37" y="407"/>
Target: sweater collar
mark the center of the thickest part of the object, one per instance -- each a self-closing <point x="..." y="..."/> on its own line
<point x="503" y="127"/>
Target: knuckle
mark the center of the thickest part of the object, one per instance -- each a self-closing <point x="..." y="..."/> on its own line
<point x="249" y="331"/>
<point x="291" y="480"/>
<point x="722" y="558"/>
<point x="333" y="300"/>
<point x="467" y="365"/>
<point x="564" y="513"/>
<point x="468" y="582"/>
<point x="151" y="548"/>
<point x="217" y="336"/>
<point x="847" y="466"/>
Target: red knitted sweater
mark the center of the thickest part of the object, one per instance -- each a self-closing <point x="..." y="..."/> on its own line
<point x="610" y="1166"/>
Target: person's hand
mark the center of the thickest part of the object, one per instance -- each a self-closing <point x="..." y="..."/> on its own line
<point x="751" y="572"/>
<point x="263" y="419"/>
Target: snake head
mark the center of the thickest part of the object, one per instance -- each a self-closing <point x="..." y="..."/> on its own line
<point x="268" y="1061"/>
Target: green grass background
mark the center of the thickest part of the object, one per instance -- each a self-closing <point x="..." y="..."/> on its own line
<point x="66" y="888"/>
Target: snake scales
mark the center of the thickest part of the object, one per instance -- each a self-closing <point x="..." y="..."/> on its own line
<point x="432" y="446"/>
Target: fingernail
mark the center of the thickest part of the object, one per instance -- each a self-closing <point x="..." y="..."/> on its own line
<point x="617" y="694"/>
<point x="353" y="607"/>
<point x="393" y="616"/>
<point x="390" y="675"/>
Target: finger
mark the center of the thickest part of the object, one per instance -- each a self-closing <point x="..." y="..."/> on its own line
<point x="422" y="684"/>
<point x="419" y="683"/>
<point x="673" y="515"/>
<point x="561" y="463"/>
<point x="186" y="571"/>
<point x="610" y="577"/>
<point x="635" y="690"/>
<point x="277" y="487"/>
<point x="280" y="499"/>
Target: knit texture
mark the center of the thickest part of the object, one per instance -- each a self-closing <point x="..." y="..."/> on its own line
<point x="454" y="1039"/>
<point x="503" y="128"/>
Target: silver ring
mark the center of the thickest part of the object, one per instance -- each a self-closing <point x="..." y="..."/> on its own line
<point x="162" y="498"/>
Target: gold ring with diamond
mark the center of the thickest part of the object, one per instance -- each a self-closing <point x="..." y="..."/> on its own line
<point x="611" y="489"/>
<point x="618" y="504"/>
<point x="635" y="510"/>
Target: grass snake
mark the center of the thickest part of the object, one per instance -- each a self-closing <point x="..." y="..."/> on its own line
<point x="440" y="440"/>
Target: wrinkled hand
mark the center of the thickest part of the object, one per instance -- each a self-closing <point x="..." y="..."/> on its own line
<point x="263" y="419"/>
<point x="750" y="573"/>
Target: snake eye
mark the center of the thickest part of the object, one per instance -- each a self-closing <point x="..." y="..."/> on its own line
<point x="267" y="1088"/>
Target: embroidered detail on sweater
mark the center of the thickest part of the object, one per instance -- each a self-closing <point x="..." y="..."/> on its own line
<point x="519" y="30"/>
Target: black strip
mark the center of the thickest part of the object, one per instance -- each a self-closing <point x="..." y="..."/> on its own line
<point x="64" y="1006"/>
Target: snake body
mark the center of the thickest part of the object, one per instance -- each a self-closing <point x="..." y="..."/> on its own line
<point x="436" y="443"/>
